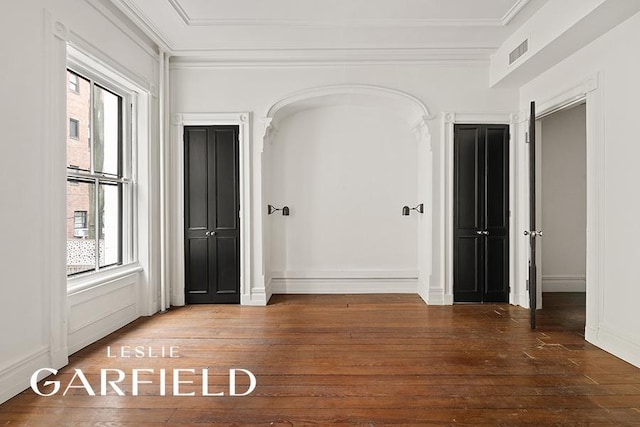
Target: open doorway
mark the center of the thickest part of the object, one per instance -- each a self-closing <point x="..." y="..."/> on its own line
<point x="562" y="214"/>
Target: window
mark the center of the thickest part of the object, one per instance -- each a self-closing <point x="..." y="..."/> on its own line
<point x="74" y="129"/>
<point x="74" y="82"/>
<point x="98" y="178"/>
<point x="80" y="224"/>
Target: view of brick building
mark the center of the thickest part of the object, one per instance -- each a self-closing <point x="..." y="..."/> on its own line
<point x="87" y="216"/>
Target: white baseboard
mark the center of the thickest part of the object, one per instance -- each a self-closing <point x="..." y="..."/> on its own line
<point x="15" y="376"/>
<point x="344" y="282"/>
<point x="436" y="296"/>
<point x="258" y="297"/>
<point x="564" y="284"/>
<point x="626" y="348"/>
<point x="344" y="286"/>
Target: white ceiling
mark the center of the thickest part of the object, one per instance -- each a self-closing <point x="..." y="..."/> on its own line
<point x="400" y="28"/>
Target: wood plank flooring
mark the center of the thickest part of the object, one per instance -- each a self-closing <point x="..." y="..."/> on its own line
<point x="365" y="360"/>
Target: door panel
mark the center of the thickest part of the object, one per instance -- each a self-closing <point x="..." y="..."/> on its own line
<point x="467" y="155"/>
<point x="481" y="213"/>
<point x="196" y="187"/>
<point x="497" y="179"/>
<point x="226" y="248"/>
<point x="497" y="277"/>
<point x="198" y="254"/>
<point x="212" y="226"/>
<point x="226" y="201"/>
<point x="468" y="279"/>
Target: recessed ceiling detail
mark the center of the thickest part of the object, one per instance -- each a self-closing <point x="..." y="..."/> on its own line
<point x="330" y="28"/>
<point x="349" y="12"/>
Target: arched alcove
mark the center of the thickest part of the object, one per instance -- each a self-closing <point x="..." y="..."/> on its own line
<point x="345" y="160"/>
<point x="398" y="103"/>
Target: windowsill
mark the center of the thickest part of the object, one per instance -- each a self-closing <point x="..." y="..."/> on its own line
<point x="81" y="283"/>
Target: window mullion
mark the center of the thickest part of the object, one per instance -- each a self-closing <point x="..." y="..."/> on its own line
<point x="96" y="205"/>
<point x="92" y="126"/>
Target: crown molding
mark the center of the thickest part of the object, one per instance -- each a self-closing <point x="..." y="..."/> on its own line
<point x="353" y="23"/>
<point x="134" y="13"/>
<point x="330" y="57"/>
<point x="513" y="12"/>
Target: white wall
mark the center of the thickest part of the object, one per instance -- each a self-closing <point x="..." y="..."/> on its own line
<point x="34" y="321"/>
<point x="564" y="200"/>
<point x="345" y="172"/>
<point x="612" y="320"/>
<point x="208" y="88"/>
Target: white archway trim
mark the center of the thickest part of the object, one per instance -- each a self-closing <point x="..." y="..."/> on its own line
<point x="248" y="295"/>
<point x="443" y="294"/>
<point x="408" y="107"/>
<point x="395" y="103"/>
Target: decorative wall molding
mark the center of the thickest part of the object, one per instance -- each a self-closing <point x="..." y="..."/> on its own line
<point x="301" y="56"/>
<point x="566" y="98"/>
<point x="60" y="31"/>
<point x="144" y="39"/>
<point x="269" y="131"/>
<point x="53" y="159"/>
<point x="407" y="106"/>
<point x="421" y="131"/>
<point x="136" y="15"/>
<point x="374" y="23"/>
<point x="98" y="311"/>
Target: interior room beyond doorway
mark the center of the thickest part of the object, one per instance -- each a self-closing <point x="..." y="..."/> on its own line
<point x="562" y="201"/>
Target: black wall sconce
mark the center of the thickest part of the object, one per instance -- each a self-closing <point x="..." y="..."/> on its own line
<point x="271" y="209"/>
<point x="406" y="209"/>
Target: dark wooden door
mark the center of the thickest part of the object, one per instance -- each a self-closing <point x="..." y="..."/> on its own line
<point x="481" y="213"/>
<point x="212" y="206"/>
<point x="532" y="232"/>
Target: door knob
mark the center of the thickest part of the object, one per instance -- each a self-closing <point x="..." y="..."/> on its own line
<point x="479" y="232"/>
<point x="533" y="233"/>
<point x="482" y="232"/>
<point x="485" y="232"/>
<point x="210" y="233"/>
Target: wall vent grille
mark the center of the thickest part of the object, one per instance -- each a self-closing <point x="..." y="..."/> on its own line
<point x="519" y="51"/>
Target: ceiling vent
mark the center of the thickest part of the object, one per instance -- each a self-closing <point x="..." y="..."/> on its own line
<point x="519" y="51"/>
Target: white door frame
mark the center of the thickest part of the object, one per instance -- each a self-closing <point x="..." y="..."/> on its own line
<point x="590" y="90"/>
<point x="179" y="121"/>
<point x="446" y="194"/>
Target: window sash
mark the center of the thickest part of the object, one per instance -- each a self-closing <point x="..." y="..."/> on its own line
<point x="120" y="178"/>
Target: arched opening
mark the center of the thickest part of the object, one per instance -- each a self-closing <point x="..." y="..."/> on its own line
<point x="345" y="160"/>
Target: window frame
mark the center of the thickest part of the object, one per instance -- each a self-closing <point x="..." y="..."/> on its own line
<point x="99" y="75"/>
<point x="82" y="224"/>
<point x="75" y="136"/>
<point x="74" y="86"/>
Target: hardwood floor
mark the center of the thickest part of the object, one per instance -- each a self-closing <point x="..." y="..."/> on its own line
<point x="352" y="359"/>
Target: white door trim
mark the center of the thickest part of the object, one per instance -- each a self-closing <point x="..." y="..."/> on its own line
<point x="179" y="121"/>
<point x="590" y="89"/>
<point x="446" y="193"/>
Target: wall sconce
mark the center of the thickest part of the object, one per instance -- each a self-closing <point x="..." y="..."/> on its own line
<point x="271" y="209"/>
<point x="406" y="209"/>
